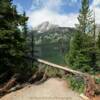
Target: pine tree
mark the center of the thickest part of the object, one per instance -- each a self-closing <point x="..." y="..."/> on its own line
<point x="25" y="29"/>
<point x="11" y="42"/>
<point x="77" y="57"/>
<point x="98" y="56"/>
<point x="98" y="42"/>
<point x="82" y="50"/>
<point x="85" y="18"/>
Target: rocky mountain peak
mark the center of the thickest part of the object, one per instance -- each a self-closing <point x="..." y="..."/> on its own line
<point x="45" y="26"/>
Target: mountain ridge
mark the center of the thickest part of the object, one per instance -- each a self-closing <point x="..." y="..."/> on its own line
<point x="51" y="33"/>
<point x="47" y="26"/>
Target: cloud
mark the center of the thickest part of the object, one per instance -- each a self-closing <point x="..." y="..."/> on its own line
<point x="47" y="4"/>
<point x="96" y="7"/>
<point x="42" y="15"/>
<point x="96" y="2"/>
<point x="49" y="11"/>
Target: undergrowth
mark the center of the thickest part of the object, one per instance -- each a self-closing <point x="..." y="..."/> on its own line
<point x="76" y="83"/>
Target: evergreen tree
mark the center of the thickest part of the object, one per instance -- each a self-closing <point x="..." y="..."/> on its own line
<point x="98" y="42"/>
<point x="82" y="53"/>
<point x="25" y="29"/>
<point x="11" y="42"/>
<point x="78" y="57"/>
<point x="98" y="56"/>
<point x="85" y="18"/>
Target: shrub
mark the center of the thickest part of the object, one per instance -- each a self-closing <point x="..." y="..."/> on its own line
<point x="76" y="83"/>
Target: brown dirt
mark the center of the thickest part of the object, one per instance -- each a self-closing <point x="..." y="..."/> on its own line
<point x="52" y="89"/>
<point x="97" y="98"/>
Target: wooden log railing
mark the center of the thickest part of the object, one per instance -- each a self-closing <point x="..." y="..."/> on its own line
<point x="60" y="67"/>
<point x="65" y="68"/>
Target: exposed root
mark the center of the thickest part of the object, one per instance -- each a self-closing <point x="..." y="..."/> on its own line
<point x="9" y="84"/>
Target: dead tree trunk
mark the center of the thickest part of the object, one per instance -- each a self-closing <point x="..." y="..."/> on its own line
<point x="9" y="84"/>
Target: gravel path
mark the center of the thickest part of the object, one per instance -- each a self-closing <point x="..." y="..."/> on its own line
<point x="52" y="89"/>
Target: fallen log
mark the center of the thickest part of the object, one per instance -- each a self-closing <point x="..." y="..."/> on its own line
<point x="44" y="77"/>
<point x="36" y="77"/>
<point x="17" y="87"/>
<point x="9" y="84"/>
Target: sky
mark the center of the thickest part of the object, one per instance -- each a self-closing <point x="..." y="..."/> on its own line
<point x="60" y="12"/>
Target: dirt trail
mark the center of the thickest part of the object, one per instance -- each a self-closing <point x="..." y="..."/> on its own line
<point x="52" y="89"/>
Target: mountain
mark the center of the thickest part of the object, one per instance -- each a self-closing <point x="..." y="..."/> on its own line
<point x="50" y="33"/>
<point x="45" y="26"/>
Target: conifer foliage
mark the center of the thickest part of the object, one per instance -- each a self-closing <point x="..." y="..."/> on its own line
<point x="83" y="49"/>
<point x="85" y="18"/>
<point x="12" y="43"/>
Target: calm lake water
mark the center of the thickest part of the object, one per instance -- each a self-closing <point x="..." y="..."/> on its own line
<point x="51" y="52"/>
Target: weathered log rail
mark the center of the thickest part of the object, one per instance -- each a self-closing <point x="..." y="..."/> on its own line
<point x="65" y="68"/>
<point x="60" y="67"/>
